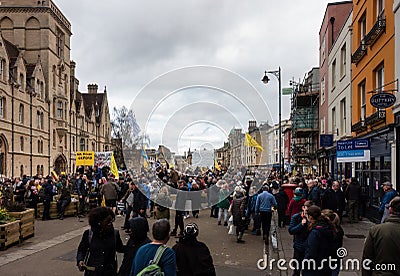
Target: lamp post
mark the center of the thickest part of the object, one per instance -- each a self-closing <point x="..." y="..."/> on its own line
<point x="265" y="79"/>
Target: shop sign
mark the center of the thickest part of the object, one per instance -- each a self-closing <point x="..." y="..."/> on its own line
<point x="356" y="150"/>
<point x="382" y="100"/>
<point x="325" y="140"/>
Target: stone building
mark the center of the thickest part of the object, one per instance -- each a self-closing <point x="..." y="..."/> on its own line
<point x="44" y="119"/>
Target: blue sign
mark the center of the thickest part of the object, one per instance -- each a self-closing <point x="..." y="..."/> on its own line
<point x="325" y="140"/>
<point x="350" y="153"/>
<point x="357" y="150"/>
<point x="382" y="100"/>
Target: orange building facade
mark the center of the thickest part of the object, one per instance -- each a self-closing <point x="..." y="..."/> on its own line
<point x="373" y="71"/>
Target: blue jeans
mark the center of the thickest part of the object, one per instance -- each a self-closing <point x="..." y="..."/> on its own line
<point x="225" y="214"/>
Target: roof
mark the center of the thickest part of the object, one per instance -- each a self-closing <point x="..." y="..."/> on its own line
<point x="90" y="100"/>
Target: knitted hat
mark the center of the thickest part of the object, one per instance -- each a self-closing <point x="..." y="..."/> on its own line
<point x="298" y="191"/>
<point x="191" y="230"/>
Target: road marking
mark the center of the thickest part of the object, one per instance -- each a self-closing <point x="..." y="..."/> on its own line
<point x="34" y="248"/>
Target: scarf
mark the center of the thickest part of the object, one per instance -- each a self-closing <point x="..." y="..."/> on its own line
<point x="297" y="198"/>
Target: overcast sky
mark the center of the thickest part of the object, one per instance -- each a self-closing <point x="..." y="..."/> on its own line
<point x="148" y="54"/>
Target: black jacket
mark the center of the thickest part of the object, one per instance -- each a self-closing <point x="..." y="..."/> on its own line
<point x="333" y="200"/>
<point x="282" y="200"/>
<point x="102" y="251"/>
<point x="193" y="258"/>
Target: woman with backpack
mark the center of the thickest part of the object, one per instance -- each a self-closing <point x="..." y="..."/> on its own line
<point x="97" y="250"/>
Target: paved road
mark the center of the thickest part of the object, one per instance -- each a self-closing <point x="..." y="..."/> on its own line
<point x="52" y="250"/>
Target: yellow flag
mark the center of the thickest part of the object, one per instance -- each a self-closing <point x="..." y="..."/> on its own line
<point x="113" y="167"/>
<point x="250" y="142"/>
<point x="217" y="166"/>
<point x="103" y="201"/>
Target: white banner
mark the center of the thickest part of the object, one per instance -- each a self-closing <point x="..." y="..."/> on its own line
<point x="103" y="159"/>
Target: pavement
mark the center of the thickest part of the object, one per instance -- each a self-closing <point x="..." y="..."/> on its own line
<point x="52" y="250"/>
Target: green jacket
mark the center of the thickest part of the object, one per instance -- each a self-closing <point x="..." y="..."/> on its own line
<point x="223" y="201"/>
<point x="382" y="247"/>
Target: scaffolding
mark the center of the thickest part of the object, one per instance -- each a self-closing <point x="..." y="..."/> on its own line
<point x="304" y="115"/>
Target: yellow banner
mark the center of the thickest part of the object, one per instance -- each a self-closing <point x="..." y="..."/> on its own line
<point x="85" y="158"/>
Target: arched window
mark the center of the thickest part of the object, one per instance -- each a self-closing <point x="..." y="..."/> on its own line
<point x="21" y="172"/>
<point x="38" y="169"/>
<point x="3" y="70"/>
<point x="38" y="146"/>
<point x="41" y="170"/>
<point x="2" y="107"/>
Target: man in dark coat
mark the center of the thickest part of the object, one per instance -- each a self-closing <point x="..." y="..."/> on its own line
<point x="282" y="200"/>
<point x="192" y="256"/>
<point x="353" y="196"/>
<point x="334" y="200"/>
<point x="383" y="243"/>
<point x="48" y="197"/>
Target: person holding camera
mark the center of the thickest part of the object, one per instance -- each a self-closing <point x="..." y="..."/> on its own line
<point x="298" y="227"/>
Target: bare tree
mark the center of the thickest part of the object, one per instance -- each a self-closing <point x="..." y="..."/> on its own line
<point x="124" y="126"/>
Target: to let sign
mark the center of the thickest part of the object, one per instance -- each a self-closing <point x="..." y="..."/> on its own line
<point x="357" y="150"/>
<point x="382" y="100"/>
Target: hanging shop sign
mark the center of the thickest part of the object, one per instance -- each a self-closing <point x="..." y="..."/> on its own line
<point x="382" y="100"/>
<point x="356" y="150"/>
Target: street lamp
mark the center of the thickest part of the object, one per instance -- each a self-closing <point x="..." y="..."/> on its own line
<point x="265" y="79"/>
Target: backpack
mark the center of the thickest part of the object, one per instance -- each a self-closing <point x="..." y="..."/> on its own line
<point x="153" y="269"/>
<point x="41" y="194"/>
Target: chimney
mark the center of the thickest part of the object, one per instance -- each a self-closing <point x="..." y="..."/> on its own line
<point x="92" y="88"/>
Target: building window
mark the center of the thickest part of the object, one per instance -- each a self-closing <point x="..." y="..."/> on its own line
<point x="333" y="74"/>
<point x="93" y="149"/>
<point x="54" y="76"/>
<point x="362" y="27"/>
<point x="343" y="123"/>
<point x="39" y="89"/>
<point x="379" y="78"/>
<point x="343" y="57"/>
<point x="334" y="121"/>
<point x="21" y="81"/>
<point x="60" y="43"/>
<point x="380" y="8"/>
<point x="322" y="126"/>
<point x="21" y="168"/>
<point x="41" y="169"/>
<point x="21" y="143"/>
<point x="54" y="138"/>
<point x="82" y="144"/>
<point x="38" y="169"/>
<point x="2" y="107"/>
<point x="60" y="109"/>
<point x="323" y="46"/>
<point x="3" y="70"/>
<point x="21" y="114"/>
<point x="363" y="101"/>
<point x="66" y="141"/>
<point x="73" y="143"/>
<point x="39" y="120"/>
<point x="322" y="90"/>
